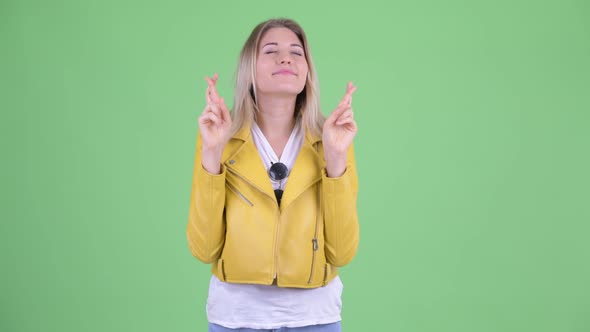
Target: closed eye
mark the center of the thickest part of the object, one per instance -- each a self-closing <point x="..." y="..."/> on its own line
<point x="296" y="53"/>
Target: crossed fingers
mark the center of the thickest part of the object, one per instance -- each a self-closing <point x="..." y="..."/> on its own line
<point x="343" y="113"/>
<point x="215" y="111"/>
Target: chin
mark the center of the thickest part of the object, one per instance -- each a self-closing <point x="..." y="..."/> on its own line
<point x="292" y="88"/>
<point x="281" y="84"/>
<point x="283" y="89"/>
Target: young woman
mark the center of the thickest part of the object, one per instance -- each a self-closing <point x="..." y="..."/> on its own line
<point x="273" y="199"/>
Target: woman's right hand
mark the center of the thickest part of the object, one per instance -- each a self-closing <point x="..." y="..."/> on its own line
<point x="214" y="126"/>
<point x="215" y="121"/>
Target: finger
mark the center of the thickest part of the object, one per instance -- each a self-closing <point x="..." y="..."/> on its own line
<point x="343" y="120"/>
<point x="208" y="91"/>
<point x="212" y="108"/>
<point x="208" y="95"/>
<point x="346" y="114"/>
<point x="210" y="85"/>
<point x="337" y="113"/>
<point x="209" y="118"/>
<point x="212" y="89"/>
<point x="346" y="101"/>
<point x="213" y="78"/>
<point x="215" y="110"/>
<point x="350" y="89"/>
<point x="349" y="124"/>
<point x="207" y="108"/>
<point x="344" y="123"/>
<point x="224" y="111"/>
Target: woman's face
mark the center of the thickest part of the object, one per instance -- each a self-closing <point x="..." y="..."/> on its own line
<point x="281" y="65"/>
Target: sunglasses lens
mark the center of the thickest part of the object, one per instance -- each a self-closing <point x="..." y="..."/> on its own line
<point x="278" y="171"/>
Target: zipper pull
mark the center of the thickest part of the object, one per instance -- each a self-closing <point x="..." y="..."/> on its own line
<point x="315" y="244"/>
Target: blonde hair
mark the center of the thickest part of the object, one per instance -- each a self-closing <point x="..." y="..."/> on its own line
<point x="307" y="104"/>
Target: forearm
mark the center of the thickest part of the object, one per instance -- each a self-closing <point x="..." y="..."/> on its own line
<point x="206" y="225"/>
<point x="341" y="228"/>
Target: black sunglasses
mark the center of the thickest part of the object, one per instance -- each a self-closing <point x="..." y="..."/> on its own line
<point x="277" y="172"/>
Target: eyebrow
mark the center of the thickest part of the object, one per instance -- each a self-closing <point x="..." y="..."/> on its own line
<point x="276" y="44"/>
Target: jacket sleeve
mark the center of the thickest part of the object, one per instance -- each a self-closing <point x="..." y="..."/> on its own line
<point x="206" y="222"/>
<point x="341" y="227"/>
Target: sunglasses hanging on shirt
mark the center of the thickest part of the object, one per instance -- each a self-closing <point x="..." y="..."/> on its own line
<point x="278" y="172"/>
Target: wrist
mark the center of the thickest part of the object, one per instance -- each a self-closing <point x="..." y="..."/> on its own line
<point x="335" y="165"/>
<point x="212" y="151"/>
<point x="211" y="160"/>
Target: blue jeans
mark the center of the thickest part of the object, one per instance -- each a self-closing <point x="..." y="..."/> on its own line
<point x="332" y="327"/>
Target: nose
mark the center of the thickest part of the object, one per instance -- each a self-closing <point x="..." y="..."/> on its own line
<point x="285" y="58"/>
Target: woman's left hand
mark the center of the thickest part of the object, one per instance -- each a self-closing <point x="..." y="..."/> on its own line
<point x="338" y="133"/>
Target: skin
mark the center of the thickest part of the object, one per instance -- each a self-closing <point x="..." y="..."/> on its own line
<point x="281" y="72"/>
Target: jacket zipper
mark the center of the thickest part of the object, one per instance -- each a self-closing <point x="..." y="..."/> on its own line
<point x="314" y="241"/>
<point x="276" y="265"/>
<point x="315" y="248"/>
<point x="235" y="190"/>
<point x="245" y="180"/>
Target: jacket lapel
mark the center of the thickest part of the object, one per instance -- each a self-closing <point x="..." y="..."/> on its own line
<point x="306" y="170"/>
<point x="245" y="163"/>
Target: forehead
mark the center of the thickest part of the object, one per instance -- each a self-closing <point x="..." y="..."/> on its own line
<point x="279" y="35"/>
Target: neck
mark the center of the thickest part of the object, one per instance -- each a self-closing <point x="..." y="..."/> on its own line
<point x="275" y="116"/>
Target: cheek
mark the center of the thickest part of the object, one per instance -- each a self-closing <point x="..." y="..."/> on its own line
<point x="262" y="67"/>
<point x="262" y="74"/>
<point x="305" y="70"/>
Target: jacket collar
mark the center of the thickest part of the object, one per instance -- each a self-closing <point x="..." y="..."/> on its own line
<point x="244" y="134"/>
<point x="245" y="163"/>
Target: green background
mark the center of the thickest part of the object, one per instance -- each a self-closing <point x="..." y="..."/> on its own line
<point x="472" y="152"/>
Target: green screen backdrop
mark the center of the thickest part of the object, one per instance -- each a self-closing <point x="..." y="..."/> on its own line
<point x="472" y="152"/>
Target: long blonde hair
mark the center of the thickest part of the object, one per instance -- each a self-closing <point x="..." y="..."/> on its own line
<point x="307" y="104"/>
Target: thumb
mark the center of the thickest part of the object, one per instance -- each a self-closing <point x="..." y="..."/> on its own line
<point x="336" y="113"/>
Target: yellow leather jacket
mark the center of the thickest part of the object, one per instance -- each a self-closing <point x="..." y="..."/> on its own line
<point x="236" y="224"/>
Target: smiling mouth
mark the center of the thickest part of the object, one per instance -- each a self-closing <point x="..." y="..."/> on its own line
<point x="284" y="72"/>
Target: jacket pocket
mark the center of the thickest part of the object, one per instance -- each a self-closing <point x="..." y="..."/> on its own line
<point x="220" y="269"/>
<point x="238" y="193"/>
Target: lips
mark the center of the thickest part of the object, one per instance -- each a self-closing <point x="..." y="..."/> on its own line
<point x="284" y="72"/>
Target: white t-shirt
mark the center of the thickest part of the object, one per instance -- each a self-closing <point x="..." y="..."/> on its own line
<point x="268" y="306"/>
